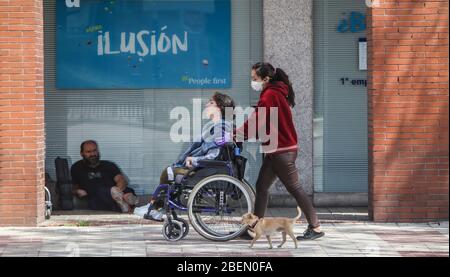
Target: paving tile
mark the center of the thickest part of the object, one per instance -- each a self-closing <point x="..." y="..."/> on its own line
<point x="437" y="246"/>
<point x="423" y="254"/>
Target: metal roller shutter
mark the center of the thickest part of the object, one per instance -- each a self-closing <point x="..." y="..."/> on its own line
<point x="340" y="106"/>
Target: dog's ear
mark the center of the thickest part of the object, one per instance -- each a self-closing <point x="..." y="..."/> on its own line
<point x="246" y="218"/>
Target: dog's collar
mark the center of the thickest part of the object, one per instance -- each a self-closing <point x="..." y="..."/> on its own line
<point x="254" y="224"/>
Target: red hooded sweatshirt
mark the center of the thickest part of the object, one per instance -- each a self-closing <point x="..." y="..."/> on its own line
<point x="273" y="96"/>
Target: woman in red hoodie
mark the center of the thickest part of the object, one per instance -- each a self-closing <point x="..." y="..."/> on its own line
<point x="279" y="155"/>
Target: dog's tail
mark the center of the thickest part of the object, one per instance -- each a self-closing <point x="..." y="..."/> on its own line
<point x="298" y="215"/>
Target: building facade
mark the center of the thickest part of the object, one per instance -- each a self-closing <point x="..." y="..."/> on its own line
<point x="371" y="83"/>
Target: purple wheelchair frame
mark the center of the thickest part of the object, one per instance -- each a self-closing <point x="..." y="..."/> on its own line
<point x="173" y="204"/>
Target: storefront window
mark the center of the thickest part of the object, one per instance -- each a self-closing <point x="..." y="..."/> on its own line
<point x="100" y="89"/>
<point x="340" y="96"/>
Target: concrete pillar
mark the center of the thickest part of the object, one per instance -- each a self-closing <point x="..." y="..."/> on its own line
<point x="288" y="44"/>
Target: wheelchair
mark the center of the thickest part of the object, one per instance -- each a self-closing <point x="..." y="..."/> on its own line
<point x="215" y="195"/>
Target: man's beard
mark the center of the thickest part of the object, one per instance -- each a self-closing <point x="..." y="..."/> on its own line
<point x="92" y="161"/>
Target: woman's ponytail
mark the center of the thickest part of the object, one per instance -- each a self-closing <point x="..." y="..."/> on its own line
<point x="280" y="75"/>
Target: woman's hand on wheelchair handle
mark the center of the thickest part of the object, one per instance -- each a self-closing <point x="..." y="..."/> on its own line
<point x="188" y="162"/>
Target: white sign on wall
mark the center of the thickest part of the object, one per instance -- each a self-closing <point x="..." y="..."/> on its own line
<point x="362" y="54"/>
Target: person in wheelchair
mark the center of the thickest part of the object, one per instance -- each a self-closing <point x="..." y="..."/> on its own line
<point x="217" y="132"/>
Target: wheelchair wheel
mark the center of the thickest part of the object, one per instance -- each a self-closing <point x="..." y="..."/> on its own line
<point x="185" y="226"/>
<point x="172" y="231"/>
<point x="48" y="213"/>
<point x="216" y="206"/>
<point x="48" y="203"/>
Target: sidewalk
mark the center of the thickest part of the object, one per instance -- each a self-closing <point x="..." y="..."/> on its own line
<point x="348" y="233"/>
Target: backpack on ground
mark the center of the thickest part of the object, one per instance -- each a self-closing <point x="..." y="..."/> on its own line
<point x="64" y="183"/>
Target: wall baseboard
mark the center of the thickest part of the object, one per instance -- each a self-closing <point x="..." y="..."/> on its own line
<point x="323" y="199"/>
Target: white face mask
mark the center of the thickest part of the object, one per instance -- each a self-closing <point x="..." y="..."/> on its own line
<point x="257" y="86"/>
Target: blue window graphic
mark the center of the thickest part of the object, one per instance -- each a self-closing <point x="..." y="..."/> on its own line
<point x="140" y="44"/>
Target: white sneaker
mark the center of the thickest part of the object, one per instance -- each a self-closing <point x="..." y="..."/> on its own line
<point x="157" y="215"/>
<point x="140" y="211"/>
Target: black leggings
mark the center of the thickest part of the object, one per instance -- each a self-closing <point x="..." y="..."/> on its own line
<point x="283" y="166"/>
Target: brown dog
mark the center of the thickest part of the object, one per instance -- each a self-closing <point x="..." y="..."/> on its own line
<point x="268" y="226"/>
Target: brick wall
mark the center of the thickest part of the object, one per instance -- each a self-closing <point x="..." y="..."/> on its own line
<point x="21" y="113"/>
<point x="408" y="110"/>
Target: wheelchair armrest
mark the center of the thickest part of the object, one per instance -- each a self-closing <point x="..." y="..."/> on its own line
<point x="212" y="163"/>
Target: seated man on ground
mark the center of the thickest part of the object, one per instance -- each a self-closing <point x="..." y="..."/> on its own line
<point x="214" y="134"/>
<point x="101" y="182"/>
